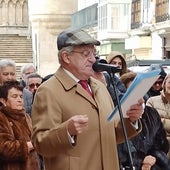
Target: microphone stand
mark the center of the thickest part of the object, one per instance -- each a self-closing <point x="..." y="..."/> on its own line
<point x="112" y="77"/>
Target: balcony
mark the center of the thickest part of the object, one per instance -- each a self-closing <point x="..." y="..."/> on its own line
<point x="85" y="18"/>
<point x="162" y="18"/>
<point x="135" y="25"/>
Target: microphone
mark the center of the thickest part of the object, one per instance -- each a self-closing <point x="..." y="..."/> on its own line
<point x="102" y="65"/>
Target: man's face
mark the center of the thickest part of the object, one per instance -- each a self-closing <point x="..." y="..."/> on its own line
<point x="7" y="73"/>
<point x="28" y="72"/>
<point x="80" y="61"/>
<point x="33" y="83"/>
<point x="157" y="86"/>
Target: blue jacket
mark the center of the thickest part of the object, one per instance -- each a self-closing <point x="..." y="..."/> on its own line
<point x="28" y="97"/>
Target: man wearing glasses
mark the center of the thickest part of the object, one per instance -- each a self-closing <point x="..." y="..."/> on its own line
<point x="33" y="81"/>
<point x="157" y="86"/>
<point x="25" y="71"/>
<point x="70" y="110"/>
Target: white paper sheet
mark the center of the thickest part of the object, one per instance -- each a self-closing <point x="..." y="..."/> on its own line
<point x="138" y="88"/>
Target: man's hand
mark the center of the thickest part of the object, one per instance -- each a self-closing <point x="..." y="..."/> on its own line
<point x="30" y="146"/>
<point x="148" y="162"/>
<point x="77" y="124"/>
<point x="136" y="111"/>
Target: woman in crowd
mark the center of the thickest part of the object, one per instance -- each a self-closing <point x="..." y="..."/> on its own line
<point x="117" y="59"/>
<point x="162" y="104"/>
<point x="16" y="149"/>
<point x="110" y="80"/>
<point x="149" y="148"/>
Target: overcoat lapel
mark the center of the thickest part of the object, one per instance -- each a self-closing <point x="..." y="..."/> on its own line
<point x="84" y="94"/>
<point x="70" y="84"/>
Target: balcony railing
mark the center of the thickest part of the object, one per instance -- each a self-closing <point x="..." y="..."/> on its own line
<point x="135" y="25"/>
<point x="162" y="18"/>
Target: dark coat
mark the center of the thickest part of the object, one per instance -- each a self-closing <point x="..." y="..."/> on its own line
<point x="151" y="141"/>
<point x="15" y="131"/>
<point x="151" y="93"/>
<point x="28" y="97"/>
<point x="120" y="89"/>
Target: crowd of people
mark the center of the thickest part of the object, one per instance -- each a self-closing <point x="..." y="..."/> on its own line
<point x="60" y="121"/>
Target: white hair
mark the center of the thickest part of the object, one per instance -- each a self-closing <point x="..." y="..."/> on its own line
<point x="7" y="62"/>
<point x="25" y="67"/>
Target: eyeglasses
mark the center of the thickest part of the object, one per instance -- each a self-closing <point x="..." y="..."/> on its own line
<point x="32" y="86"/>
<point x="158" y="82"/>
<point x="86" y="53"/>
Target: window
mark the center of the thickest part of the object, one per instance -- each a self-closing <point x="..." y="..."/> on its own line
<point x="136" y="14"/>
<point x="103" y="17"/>
<point x="114" y="17"/>
<point x="120" y="17"/>
<point x="161" y="13"/>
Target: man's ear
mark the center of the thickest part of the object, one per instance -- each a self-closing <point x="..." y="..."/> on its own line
<point x="3" y="101"/>
<point x="65" y="57"/>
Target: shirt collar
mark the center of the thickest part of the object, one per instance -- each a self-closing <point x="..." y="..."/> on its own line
<point x="71" y="75"/>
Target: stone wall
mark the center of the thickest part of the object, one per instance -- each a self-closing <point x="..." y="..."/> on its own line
<point x="14" y="13"/>
<point x="38" y="20"/>
<point x="48" y="18"/>
<point x="15" y="38"/>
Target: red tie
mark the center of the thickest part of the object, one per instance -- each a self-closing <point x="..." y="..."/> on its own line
<point x="84" y="84"/>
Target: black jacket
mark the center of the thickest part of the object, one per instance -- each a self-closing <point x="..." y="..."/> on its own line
<point x="151" y="93"/>
<point x="151" y="141"/>
<point x="120" y="89"/>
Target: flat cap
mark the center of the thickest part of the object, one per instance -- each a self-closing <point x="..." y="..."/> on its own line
<point x="75" y="37"/>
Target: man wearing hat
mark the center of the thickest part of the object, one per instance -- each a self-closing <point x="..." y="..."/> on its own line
<point x="70" y="128"/>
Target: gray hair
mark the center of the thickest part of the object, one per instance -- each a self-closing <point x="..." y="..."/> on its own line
<point x="25" y="67"/>
<point x="7" y="62"/>
<point x="68" y="49"/>
<point x="33" y="75"/>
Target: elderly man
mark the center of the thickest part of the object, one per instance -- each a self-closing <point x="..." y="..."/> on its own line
<point x="70" y="128"/>
<point x="8" y="73"/>
<point x="33" y="81"/>
<point x="25" y="71"/>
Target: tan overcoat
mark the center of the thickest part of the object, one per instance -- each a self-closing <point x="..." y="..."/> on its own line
<point x="56" y="101"/>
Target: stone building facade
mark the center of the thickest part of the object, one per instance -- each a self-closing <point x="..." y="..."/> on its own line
<point x="29" y="29"/>
<point x="48" y="18"/>
<point x="15" y="39"/>
<point x="14" y="13"/>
